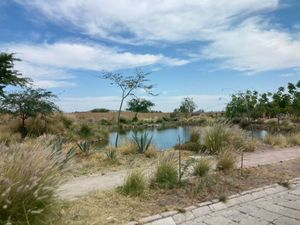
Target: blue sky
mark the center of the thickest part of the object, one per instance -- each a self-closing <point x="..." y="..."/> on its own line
<point x="202" y="49"/>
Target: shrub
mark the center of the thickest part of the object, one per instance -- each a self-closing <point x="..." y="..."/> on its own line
<point x="195" y="136"/>
<point x="101" y="110"/>
<point x="166" y="175"/>
<point x="143" y="141"/>
<point x="85" y="131"/>
<point x="191" y="146"/>
<point x="84" y="147"/>
<point x="201" y="168"/>
<point x="293" y="139"/>
<point x="128" y="148"/>
<point x="135" y="184"/>
<point x="275" y="140"/>
<point x="111" y="154"/>
<point x="226" y="160"/>
<point x="29" y="176"/>
<point x="152" y="152"/>
<point x="216" y="138"/>
<point x="123" y="120"/>
<point x="250" y="146"/>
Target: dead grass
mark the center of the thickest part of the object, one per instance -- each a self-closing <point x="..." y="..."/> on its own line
<point x="113" y="208"/>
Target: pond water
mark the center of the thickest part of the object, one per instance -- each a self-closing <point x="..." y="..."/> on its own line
<point x="168" y="138"/>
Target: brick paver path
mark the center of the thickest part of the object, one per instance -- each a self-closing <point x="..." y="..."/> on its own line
<point x="272" y="205"/>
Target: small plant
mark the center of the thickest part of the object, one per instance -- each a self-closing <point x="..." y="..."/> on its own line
<point x="226" y="160"/>
<point x="285" y="183"/>
<point x="195" y="136"/>
<point x="128" y="148"/>
<point x="111" y="154"/>
<point x="166" y="175"/>
<point x="191" y="146"/>
<point x="201" y="168"/>
<point x="135" y="184"/>
<point x="84" y="148"/>
<point x="223" y="198"/>
<point x="143" y="141"/>
<point x="85" y="131"/>
<point x="152" y="152"/>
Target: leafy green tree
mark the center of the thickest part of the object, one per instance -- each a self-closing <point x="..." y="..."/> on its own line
<point x="187" y="106"/>
<point x="29" y="103"/>
<point x="139" y="105"/>
<point x="128" y="84"/>
<point x="8" y="74"/>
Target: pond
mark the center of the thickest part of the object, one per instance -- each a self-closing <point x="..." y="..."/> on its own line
<point x="168" y="138"/>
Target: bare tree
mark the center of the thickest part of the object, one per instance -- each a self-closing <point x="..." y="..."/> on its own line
<point x="128" y="84"/>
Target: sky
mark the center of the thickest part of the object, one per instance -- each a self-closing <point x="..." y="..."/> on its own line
<point x="204" y="49"/>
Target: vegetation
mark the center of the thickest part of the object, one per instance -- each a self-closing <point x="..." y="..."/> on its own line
<point x="226" y="160"/>
<point x="201" y="168"/>
<point x="135" y="184"/>
<point x="166" y="175"/>
<point x="111" y="154"/>
<point x="29" y="104"/>
<point x="29" y="176"/>
<point x="84" y="148"/>
<point x="187" y="106"/>
<point x="139" y="105"/>
<point x="252" y="105"/>
<point x="128" y="84"/>
<point x="142" y="142"/>
<point x="8" y="74"/>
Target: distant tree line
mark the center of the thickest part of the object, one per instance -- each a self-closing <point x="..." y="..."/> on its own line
<point x="252" y="105"/>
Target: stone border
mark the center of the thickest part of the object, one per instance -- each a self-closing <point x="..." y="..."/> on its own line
<point x="205" y="208"/>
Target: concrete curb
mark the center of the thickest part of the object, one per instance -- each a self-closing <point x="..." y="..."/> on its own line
<point x="205" y="208"/>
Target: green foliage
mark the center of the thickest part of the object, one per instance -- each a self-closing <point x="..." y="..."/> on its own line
<point x="191" y="146"/>
<point x="85" y="131"/>
<point x="135" y="184"/>
<point x="57" y="149"/>
<point x="195" y="136"/>
<point x="139" y="105"/>
<point x="187" y="106"/>
<point x="216" y="138"/>
<point x="111" y="154"/>
<point x="250" y="104"/>
<point x="85" y="148"/>
<point x="100" y="110"/>
<point x="201" y="168"/>
<point x="29" y="176"/>
<point x="166" y="175"/>
<point x="8" y="74"/>
<point x="29" y="103"/>
<point x="143" y="141"/>
<point x="226" y="160"/>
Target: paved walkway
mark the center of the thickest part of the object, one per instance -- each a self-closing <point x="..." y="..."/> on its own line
<point x="83" y="185"/>
<point x="273" y="204"/>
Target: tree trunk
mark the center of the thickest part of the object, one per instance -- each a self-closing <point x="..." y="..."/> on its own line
<point x="118" y="121"/>
<point x="23" y="129"/>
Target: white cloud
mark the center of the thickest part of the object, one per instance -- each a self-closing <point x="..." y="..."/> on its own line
<point x="51" y="65"/>
<point x="252" y="47"/>
<point x="148" y="20"/>
<point x="163" y="103"/>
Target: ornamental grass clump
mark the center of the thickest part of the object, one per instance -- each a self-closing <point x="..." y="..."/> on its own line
<point x="29" y="177"/>
<point x="166" y="174"/>
<point x="135" y="184"/>
<point x="216" y="138"/>
<point x="202" y="167"/>
<point x="226" y="160"/>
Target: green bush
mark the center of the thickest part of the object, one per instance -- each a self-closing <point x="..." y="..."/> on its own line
<point x="201" y="168"/>
<point x="166" y="175"/>
<point x="29" y="176"/>
<point x="191" y="146"/>
<point x="85" y="131"/>
<point x="195" y="136"/>
<point x="216" y="138"/>
<point x="226" y="160"/>
<point x="135" y="184"/>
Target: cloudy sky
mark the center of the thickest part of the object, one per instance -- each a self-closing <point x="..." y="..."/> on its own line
<point x="205" y="49"/>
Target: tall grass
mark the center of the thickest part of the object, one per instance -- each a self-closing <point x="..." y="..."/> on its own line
<point x="29" y="176"/>
<point x="280" y="140"/>
<point x="226" y="160"/>
<point x="195" y="136"/>
<point x="135" y="184"/>
<point x="201" y="168"/>
<point x="216" y="138"/>
<point x="166" y="174"/>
